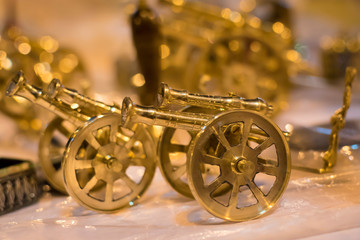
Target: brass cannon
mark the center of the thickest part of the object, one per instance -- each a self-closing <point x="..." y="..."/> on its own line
<point x="198" y="103"/>
<point x="237" y="164"/>
<point x="75" y="110"/>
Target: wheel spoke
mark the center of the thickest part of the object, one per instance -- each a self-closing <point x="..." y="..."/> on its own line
<point x="109" y="192"/>
<point x="59" y="150"/>
<point x="258" y="194"/>
<point x="209" y="159"/>
<point x="128" y="181"/>
<point x="178" y="148"/>
<point x="138" y="161"/>
<point x="83" y="164"/>
<point x="64" y="130"/>
<point x="246" y="128"/>
<point x="267" y="162"/>
<point x="221" y="137"/>
<point x="264" y="145"/>
<point x="90" y="185"/>
<point x="90" y="138"/>
<point x="114" y="127"/>
<point x="133" y="138"/>
<point x="192" y="134"/>
<point x="217" y="183"/>
<point x="234" y="194"/>
<point x="269" y="170"/>
<point x="179" y="172"/>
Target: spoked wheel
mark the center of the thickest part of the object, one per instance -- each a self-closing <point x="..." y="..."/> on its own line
<point x="173" y="147"/>
<point x="172" y="158"/>
<point x="252" y="159"/>
<point x="51" y="150"/>
<point x="121" y="162"/>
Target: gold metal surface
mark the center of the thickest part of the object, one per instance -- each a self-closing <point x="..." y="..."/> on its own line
<point x="105" y="167"/>
<point x="338" y="121"/>
<point x="172" y="154"/>
<point x="51" y="151"/>
<point x="257" y="171"/>
<point x="73" y="110"/>
<point x="116" y="165"/>
<point x="169" y="95"/>
<point x="260" y="161"/>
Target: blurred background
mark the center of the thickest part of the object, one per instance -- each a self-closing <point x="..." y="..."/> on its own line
<point x="247" y="47"/>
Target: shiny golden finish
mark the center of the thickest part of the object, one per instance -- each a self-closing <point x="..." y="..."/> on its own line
<point x="247" y="143"/>
<point x="169" y="95"/>
<point x="105" y="167"/>
<point x="173" y="147"/>
<point x="116" y="165"/>
<point x="172" y="153"/>
<point x="338" y="121"/>
<point x="73" y="109"/>
<point x="132" y="113"/>
<point x="324" y="162"/>
<point x="256" y="168"/>
<point x="51" y="151"/>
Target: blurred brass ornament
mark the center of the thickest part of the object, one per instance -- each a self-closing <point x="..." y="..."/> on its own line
<point x="325" y="161"/>
<point x="42" y="59"/>
<point x="337" y="121"/>
<point x="217" y="50"/>
<point x="247" y="143"/>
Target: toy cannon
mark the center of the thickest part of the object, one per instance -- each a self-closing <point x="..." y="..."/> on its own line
<point x="92" y="162"/>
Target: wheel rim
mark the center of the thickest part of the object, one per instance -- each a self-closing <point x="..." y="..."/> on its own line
<point x="173" y="147"/>
<point x="174" y="173"/>
<point x="51" y="151"/>
<point x="253" y="161"/>
<point x="122" y="162"/>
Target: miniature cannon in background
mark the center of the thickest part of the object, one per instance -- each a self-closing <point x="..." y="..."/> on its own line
<point x="79" y="110"/>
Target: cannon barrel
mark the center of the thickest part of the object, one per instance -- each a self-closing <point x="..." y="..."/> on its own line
<point x="132" y="113"/>
<point x="65" y="103"/>
<point x="168" y="95"/>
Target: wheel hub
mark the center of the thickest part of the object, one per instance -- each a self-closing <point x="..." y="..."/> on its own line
<point x="240" y="165"/>
<point x="244" y="166"/>
<point x="111" y="161"/>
